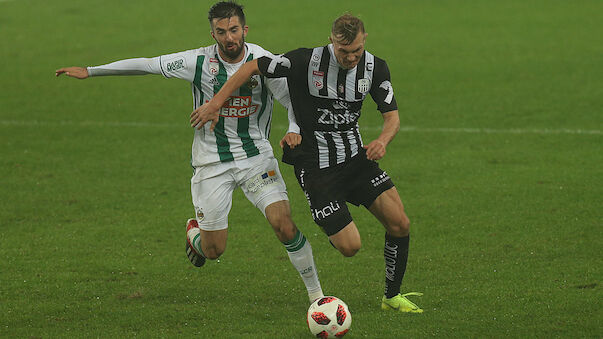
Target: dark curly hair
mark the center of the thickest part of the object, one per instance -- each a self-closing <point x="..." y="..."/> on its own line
<point x="226" y="9"/>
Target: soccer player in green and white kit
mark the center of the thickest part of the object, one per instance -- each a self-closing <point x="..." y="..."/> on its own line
<point x="237" y="153"/>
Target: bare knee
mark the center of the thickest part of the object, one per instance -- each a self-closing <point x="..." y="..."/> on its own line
<point x="389" y="210"/>
<point x="399" y="228"/>
<point x="347" y="240"/>
<point x="349" y="248"/>
<point x="349" y="251"/>
<point x="284" y="228"/>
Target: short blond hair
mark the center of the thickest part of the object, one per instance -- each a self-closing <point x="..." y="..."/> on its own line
<point x="346" y="28"/>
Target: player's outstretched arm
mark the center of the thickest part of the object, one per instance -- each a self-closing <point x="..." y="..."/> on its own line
<point x="209" y="111"/>
<point x="375" y="150"/>
<point x="74" y="72"/>
<point x="134" y="66"/>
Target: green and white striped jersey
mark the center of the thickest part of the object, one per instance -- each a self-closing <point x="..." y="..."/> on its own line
<point x="244" y="123"/>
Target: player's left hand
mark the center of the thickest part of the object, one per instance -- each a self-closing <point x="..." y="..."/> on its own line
<point x="205" y="113"/>
<point x="375" y="150"/>
<point x="291" y="139"/>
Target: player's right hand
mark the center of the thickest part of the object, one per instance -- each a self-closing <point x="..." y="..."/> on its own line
<point x="74" y="72"/>
<point x="375" y="150"/>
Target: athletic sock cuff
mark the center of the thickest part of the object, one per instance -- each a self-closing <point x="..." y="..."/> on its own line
<point x="295" y="244"/>
<point x="197" y="245"/>
<point x="393" y="239"/>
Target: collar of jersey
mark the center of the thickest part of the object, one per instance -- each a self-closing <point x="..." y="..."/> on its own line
<point x="334" y="58"/>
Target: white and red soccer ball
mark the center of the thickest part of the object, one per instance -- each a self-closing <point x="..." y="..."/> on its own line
<point x="329" y="317"/>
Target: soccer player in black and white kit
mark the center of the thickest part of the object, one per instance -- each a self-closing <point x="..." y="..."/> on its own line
<point x="327" y="86"/>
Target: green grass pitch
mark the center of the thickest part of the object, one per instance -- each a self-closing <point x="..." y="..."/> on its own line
<point x="499" y="163"/>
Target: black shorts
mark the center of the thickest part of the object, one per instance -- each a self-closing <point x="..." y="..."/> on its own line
<point x="358" y="181"/>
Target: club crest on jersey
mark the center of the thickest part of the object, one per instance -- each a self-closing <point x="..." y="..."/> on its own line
<point x="252" y="82"/>
<point x="213" y="66"/>
<point x="199" y="213"/>
<point x="364" y="85"/>
<point x="318" y="79"/>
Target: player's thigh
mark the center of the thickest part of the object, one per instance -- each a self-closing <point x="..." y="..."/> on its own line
<point x="212" y="198"/>
<point x="367" y="181"/>
<point x="389" y="210"/>
<point x="262" y="182"/>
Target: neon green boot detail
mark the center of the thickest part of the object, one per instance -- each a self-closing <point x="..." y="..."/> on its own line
<point x="401" y="304"/>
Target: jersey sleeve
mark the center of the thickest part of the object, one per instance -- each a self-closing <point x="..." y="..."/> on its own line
<point x="135" y="66"/>
<point x="177" y="65"/>
<point x="181" y="65"/>
<point x="382" y="91"/>
<point x="278" y="66"/>
<point x="280" y="90"/>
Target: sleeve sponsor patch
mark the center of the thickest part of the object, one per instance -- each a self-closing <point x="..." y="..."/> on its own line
<point x="175" y="64"/>
<point x="386" y="85"/>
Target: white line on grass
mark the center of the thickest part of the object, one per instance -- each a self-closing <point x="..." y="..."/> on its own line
<point x="501" y="131"/>
<point x="282" y="127"/>
<point x="89" y="123"/>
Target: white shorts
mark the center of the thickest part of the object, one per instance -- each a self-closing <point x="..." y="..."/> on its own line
<point x="212" y="186"/>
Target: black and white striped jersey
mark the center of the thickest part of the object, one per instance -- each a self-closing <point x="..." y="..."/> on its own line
<point x="327" y="101"/>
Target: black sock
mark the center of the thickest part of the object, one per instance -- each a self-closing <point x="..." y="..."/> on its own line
<point x="395" y="253"/>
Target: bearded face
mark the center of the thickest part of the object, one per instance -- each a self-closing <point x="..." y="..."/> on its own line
<point x="230" y="37"/>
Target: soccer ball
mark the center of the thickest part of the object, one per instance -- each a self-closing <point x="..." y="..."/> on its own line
<point x="329" y="317"/>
